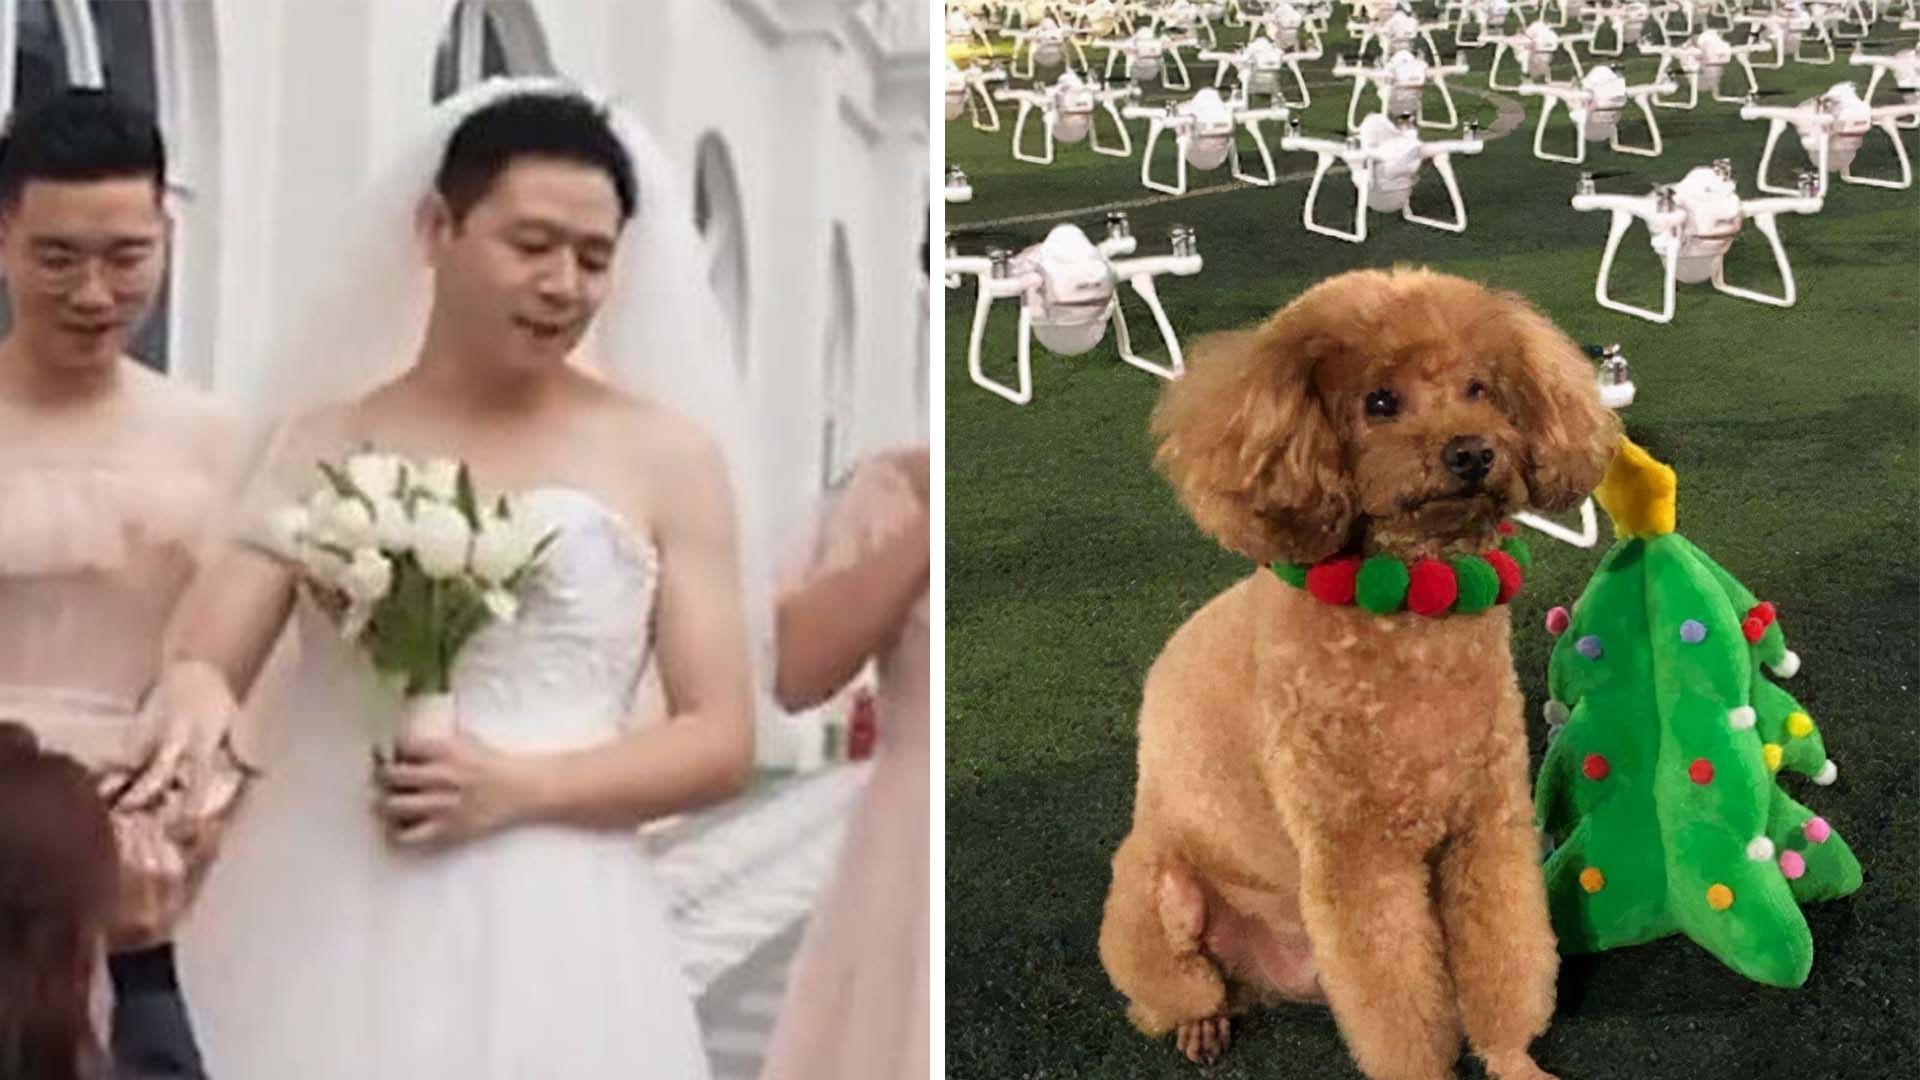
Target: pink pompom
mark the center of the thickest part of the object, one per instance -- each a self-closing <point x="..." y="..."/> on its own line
<point x="1792" y="865"/>
<point x="1817" y="830"/>
<point x="1558" y="620"/>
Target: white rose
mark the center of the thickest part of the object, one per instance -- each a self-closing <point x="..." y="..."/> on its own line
<point x="393" y="530"/>
<point x="287" y="530"/>
<point x="502" y="603"/>
<point x="440" y="478"/>
<point x="374" y="474"/>
<point x="325" y="567"/>
<point x="367" y="577"/>
<point x="350" y="524"/>
<point x="497" y="550"/>
<point x="440" y="539"/>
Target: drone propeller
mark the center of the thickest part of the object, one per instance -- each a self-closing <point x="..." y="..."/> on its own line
<point x="1611" y="174"/>
<point x="985" y="238"/>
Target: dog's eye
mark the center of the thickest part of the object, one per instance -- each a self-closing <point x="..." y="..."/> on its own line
<point x="1476" y="390"/>
<point x="1383" y="404"/>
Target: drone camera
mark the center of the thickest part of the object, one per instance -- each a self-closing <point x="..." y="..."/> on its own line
<point x="997" y="260"/>
<point x="1586" y="184"/>
<point x="1117" y="226"/>
<point x="1723" y="168"/>
<point x="1185" y="243"/>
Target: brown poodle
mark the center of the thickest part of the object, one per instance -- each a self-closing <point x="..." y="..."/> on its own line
<point x="1333" y="805"/>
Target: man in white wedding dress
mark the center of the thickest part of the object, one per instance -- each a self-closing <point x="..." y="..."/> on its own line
<point x="108" y="472"/>
<point x="481" y="908"/>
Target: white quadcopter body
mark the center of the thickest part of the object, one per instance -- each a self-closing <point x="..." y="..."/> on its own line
<point x="1703" y="61"/>
<point x="1182" y="17"/>
<point x="1904" y="66"/>
<point x="1068" y="290"/>
<point x="1104" y="19"/>
<point x="1626" y="23"/>
<point x="1260" y="67"/>
<point x="964" y="31"/>
<point x="1595" y="104"/>
<point x="1287" y="26"/>
<point x="1047" y="45"/>
<point x="1534" y="48"/>
<point x="1832" y="128"/>
<point x="1149" y="56"/>
<point x="969" y="90"/>
<point x="1787" y="29"/>
<point x="1396" y="29"/>
<point x="1066" y="109"/>
<point x="1691" y="225"/>
<point x="1478" y="22"/>
<point x="1383" y="161"/>
<point x="1400" y="82"/>
<point x="1203" y="130"/>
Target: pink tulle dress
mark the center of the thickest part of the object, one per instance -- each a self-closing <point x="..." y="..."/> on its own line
<point x="100" y="530"/>
<point x="856" y="1003"/>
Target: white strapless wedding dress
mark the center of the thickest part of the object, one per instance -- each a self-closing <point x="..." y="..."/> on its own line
<point x="318" y="952"/>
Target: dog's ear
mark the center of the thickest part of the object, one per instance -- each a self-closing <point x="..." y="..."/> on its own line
<point x="1249" y="448"/>
<point x="1549" y="388"/>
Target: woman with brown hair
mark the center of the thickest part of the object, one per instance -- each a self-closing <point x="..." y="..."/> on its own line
<point x="58" y="877"/>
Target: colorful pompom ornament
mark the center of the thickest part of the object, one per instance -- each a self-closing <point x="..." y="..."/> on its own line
<point x="1693" y="631"/>
<point x="1816" y="830"/>
<point x="1701" y="771"/>
<point x="1760" y="850"/>
<point x="1742" y="718"/>
<point x="1592" y="880"/>
<point x="1294" y="574"/>
<point x="1828" y="773"/>
<point x="1508" y="572"/>
<point x="1753" y="630"/>
<point x="1595" y="767"/>
<point x="1793" y="865"/>
<point x="1431" y="587"/>
<point x="1558" y="620"/>
<point x="1479" y="586"/>
<point x="1719" y="897"/>
<point x="1381" y="585"/>
<point x="1334" y="581"/>
<point x="1590" y="647"/>
<point x="1789" y="665"/>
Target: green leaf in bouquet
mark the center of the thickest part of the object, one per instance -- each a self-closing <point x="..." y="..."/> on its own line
<point x="514" y="580"/>
<point x="344" y="487"/>
<point x="465" y="499"/>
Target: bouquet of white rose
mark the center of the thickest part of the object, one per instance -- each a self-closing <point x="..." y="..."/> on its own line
<point x="409" y="563"/>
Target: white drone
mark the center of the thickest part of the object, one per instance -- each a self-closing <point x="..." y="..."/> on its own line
<point x="1691" y="225"/>
<point x="1185" y="18"/>
<point x="959" y="190"/>
<point x="970" y="90"/>
<point x="1383" y="160"/>
<point x="1258" y="67"/>
<point x="1787" y="29"/>
<point x="1533" y="48"/>
<point x="1400" y="82"/>
<point x="1045" y="46"/>
<point x="1396" y="29"/>
<point x="964" y="31"/>
<point x="1478" y="22"/>
<point x="1067" y="114"/>
<point x="1286" y="25"/>
<point x="1831" y="128"/>
<point x="1068" y="290"/>
<point x="1203" y="132"/>
<point x="1627" y="19"/>
<point x="1904" y="66"/>
<point x="1703" y="59"/>
<point x="1696" y="15"/>
<point x="1594" y="104"/>
<point x="1103" y="19"/>
<point x="1147" y="56"/>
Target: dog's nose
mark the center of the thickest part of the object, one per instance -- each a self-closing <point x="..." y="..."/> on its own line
<point x="1468" y="457"/>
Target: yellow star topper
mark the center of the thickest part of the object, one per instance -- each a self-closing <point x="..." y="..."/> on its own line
<point x="1637" y="493"/>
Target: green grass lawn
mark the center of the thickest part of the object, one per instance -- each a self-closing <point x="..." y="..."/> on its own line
<point x="1794" y="433"/>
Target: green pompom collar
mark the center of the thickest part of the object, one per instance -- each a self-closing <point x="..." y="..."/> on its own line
<point x="1384" y="585"/>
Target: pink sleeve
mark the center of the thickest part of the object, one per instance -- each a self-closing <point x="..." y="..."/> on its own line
<point x="876" y="504"/>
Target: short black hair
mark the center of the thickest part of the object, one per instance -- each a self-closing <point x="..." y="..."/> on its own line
<point x="566" y="127"/>
<point x="83" y="133"/>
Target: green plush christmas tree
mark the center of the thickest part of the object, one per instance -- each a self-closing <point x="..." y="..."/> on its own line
<point x="1659" y="786"/>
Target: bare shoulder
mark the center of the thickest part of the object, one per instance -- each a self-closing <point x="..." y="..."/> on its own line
<point x="650" y="435"/>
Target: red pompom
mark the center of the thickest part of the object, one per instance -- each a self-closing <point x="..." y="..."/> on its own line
<point x="1701" y="771"/>
<point x="1332" y="582"/>
<point x="1595" y="767"/>
<point x="1507" y="529"/>
<point x="1431" y="587"/>
<point x="1508" y="572"/>
<point x="1764" y="612"/>
<point x="1753" y="628"/>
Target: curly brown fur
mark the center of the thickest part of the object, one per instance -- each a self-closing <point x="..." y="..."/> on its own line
<point x="1333" y="805"/>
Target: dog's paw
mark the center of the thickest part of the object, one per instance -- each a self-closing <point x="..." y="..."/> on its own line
<point x="1203" y="1041"/>
<point x="1516" y="1066"/>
